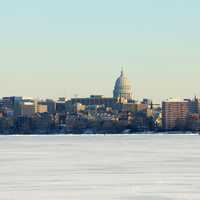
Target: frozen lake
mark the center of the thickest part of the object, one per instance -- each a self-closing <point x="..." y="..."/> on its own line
<point x="112" y="167"/>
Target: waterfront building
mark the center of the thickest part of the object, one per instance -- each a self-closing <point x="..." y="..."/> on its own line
<point x="174" y="114"/>
<point x="78" y="107"/>
<point x="41" y="108"/>
<point x="23" y="124"/>
<point x="194" y="105"/>
<point x="13" y="103"/>
<point x="28" y="109"/>
<point x="51" y="106"/>
<point x="60" y="107"/>
<point x="42" y="122"/>
<point x="122" y="89"/>
<point x="6" y="123"/>
<point x="193" y="122"/>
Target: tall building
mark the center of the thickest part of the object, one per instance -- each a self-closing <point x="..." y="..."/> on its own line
<point x="28" y="109"/>
<point x="123" y="89"/>
<point x="174" y="114"/>
<point x="194" y="106"/>
<point x="51" y="106"/>
<point x="13" y="103"/>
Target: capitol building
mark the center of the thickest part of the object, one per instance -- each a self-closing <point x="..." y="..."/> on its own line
<point x="123" y="88"/>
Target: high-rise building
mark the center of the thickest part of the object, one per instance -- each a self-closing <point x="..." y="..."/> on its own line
<point x="174" y="114"/>
<point x="194" y="106"/>
<point x="13" y="103"/>
<point x="28" y="109"/>
<point x="51" y="106"/>
<point x="122" y="89"/>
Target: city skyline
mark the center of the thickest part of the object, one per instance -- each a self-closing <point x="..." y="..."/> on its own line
<point x="61" y="48"/>
<point x="122" y="84"/>
<point x="134" y="97"/>
<point x="99" y="99"/>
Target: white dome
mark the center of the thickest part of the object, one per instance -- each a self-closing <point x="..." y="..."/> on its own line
<point x="123" y="88"/>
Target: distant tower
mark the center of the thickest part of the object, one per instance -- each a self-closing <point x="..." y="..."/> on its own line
<point x="123" y="88"/>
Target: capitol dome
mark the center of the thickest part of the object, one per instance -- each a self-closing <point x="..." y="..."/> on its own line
<point x="123" y="88"/>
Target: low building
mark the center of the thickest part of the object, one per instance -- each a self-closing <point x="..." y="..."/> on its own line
<point x="60" y="107"/>
<point x="42" y="122"/>
<point x="193" y="122"/>
<point x="23" y="124"/>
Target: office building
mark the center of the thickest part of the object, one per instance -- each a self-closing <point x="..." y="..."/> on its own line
<point x="13" y="103"/>
<point x="41" y="108"/>
<point x="28" y="109"/>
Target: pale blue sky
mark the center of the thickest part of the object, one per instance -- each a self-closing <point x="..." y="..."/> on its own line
<point x="52" y="48"/>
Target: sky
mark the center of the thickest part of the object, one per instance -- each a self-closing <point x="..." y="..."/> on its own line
<point x="54" y="48"/>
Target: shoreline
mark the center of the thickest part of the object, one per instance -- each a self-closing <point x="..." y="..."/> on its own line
<point x="102" y="134"/>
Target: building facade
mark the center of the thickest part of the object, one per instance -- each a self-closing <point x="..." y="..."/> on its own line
<point x="174" y="114"/>
<point x="28" y="109"/>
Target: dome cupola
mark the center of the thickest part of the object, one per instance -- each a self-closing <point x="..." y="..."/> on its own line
<point x="123" y="88"/>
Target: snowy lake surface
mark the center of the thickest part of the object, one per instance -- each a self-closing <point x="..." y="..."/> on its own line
<point x="97" y="167"/>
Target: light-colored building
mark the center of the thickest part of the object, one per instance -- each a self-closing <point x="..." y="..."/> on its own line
<point x="41" y="108"/>
<point x="123" y="89"/>
<point x="28" y="109"/>
<point x="78" y="107"/>
<point x="174" y="114"/>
